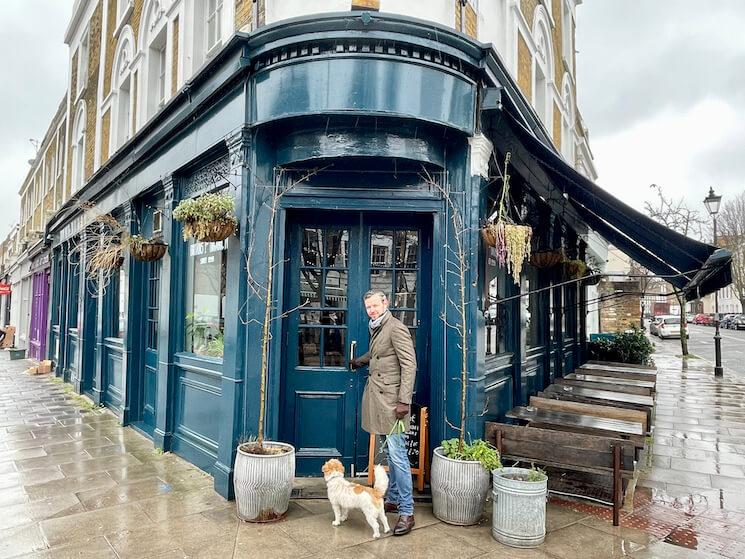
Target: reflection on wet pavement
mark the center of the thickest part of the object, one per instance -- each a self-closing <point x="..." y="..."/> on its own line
<point x="73" y="483"/>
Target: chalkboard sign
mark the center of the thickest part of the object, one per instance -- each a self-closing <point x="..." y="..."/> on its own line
<point x="416" y="447"/>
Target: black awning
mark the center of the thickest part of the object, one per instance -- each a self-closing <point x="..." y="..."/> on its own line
<point x="694" y="267"/>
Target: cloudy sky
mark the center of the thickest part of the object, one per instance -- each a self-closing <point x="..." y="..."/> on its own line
<point x="33" y="73"/>
<point x="661" y="86"/>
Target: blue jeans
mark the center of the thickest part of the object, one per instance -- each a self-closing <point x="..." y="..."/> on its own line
<point x="399" y="475"/>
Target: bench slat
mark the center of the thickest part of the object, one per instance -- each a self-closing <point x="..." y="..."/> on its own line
<point x="610" y="386"/>
<point x="604" y="395"/>
<point x="614" y="380"/>
<point x="591" y="409"/>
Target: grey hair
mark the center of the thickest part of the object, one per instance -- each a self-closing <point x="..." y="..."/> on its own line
<point x="374" y="292"/>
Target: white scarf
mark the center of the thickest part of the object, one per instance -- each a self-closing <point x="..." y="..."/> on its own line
<point x="376" y="322"/>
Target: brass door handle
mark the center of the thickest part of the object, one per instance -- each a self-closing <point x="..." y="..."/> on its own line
<point x="352" y="347"/>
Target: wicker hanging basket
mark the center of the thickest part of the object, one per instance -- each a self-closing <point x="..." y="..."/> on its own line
<point x="489" y="234"/>
<point x="148" y="252"/>
<point x="592" y="277"/>
<point x="209" y="231"/>
<point x="546" y="258"/>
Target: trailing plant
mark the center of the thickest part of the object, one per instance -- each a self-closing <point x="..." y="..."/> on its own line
<point x="135" y="242"/>
<point x="475" y="451"/>
<point x="631" y="347"/>
<point x="575" y="269"/>
<point x="511" y="240"/>
<point x="200" y="215"/>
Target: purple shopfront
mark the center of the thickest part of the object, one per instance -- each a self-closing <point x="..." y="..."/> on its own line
<point x="37" y="335"/>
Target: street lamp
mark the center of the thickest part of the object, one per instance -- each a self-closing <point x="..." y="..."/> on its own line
<point x="712" y="202"/>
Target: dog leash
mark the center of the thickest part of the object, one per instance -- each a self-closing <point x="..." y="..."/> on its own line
<point x="397" y="429"/>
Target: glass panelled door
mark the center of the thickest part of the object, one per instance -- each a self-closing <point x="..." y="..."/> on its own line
<point x="332" y="264"/>
<point x="150" y="370"/>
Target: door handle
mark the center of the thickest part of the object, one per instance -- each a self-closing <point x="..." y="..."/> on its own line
<point x="352" y="347"/>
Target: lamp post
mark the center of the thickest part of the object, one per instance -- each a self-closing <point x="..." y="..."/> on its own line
<point x="712" y="202"/>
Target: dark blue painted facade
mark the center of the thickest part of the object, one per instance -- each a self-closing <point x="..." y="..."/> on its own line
<point x="363" y="111"/>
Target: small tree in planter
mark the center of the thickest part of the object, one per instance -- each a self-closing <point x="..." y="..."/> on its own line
<point x="519" y="506"/>
<point x="460" y="469"/>
<point x="264" y="470"/>
<point x="207" y="218"/>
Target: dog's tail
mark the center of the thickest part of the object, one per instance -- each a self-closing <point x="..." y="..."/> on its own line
<point x="381" y="480"/>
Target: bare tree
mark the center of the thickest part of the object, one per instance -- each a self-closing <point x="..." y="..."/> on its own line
<point x="731" y="225"/>
<point x="676" y="215"/>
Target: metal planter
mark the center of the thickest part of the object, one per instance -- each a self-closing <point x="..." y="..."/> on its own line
<point x="519" y="509"/>
<point x="459" y="489"/>
<point x="263" y="484"/>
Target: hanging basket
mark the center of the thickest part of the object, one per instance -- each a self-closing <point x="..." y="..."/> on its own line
<point x="592" y="277"/>
<point x="148" y="252"/>
<point x="546" y="258"/>
<point x="209" y="231"/>
<point x="574" y="269"/>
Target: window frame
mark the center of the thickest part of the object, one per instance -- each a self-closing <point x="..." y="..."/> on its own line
<point x="83" y="55"/>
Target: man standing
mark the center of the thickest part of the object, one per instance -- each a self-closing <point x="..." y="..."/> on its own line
<point x="387" y="398"/>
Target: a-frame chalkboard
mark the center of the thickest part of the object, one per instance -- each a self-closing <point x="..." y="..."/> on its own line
<point x="416" y="448"/>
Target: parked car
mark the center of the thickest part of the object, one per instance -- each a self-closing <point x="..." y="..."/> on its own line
<point x="656" y="321"/>
<point x="669" y="327"/>
<point x="704" y="319"/>
<point x="727" y="320"/>
<point x="689" y="318"/>
<point x="739" y="322"/>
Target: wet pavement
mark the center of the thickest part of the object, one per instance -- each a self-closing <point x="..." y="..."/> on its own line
<point x="73" y="483"/>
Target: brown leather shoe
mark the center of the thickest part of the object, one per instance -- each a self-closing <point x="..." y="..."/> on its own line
<point x="404" y="525"/>
<point x="391" y="507"/>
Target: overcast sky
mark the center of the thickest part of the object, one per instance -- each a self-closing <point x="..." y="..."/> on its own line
<point x="661" y="87"/>
<point x="33" y="74"/>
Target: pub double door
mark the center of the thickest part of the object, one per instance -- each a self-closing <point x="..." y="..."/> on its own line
<point x="333" y="261"/>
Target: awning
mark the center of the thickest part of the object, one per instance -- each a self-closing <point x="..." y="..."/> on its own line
<point x="694" y="267"/>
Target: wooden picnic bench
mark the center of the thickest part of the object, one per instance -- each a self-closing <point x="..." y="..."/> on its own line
<point x="612" y="412"/>
<point x="627" y="374"/>
<point x="579" y="423"/>
<point x="608" y="396"/>
<point x="605" y="456"/>
<point x="610" y="386"/>
<point x="555" y="392"/>
<point x="614" y="380"/>
<point x="616" y="365"/>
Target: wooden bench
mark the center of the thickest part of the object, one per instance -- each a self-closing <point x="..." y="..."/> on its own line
<point x="579" y="452"/>
<point x="612" y="412"/>
<point x="610" y="397"/>
<point x="628" y="374"/>
<point x="610" y="386"/>
<point x="623" y="381"/>
<point x="579" y="423"/>
<point x="616" y="365"/>
<point x="557" y="393"/>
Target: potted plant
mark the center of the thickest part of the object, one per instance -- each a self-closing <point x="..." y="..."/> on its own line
<point x="511" y="240"/>
<point x="460" y="480"/>
<point x="546" y="258"/>
<point x="207" y="218"/>
<point x="519" y="506"/>
<point x="574" y="269"/>
<point x="147" y="249"/>
<point x="264" y="470"/>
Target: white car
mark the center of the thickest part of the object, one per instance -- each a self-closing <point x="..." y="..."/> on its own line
<point x="668" y="327"/>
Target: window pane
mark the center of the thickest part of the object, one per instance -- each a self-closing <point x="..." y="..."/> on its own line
<point x="381" y="245"/>
<point x="337" y="243"/>
<point x="335" y="292"/>
<point x="495" y="289"/>
<point x="309" y="347"/>
<point x="382" y="280"/>
<point x="311" y="250"/>
<point x="530" y="307"/>
<point x="405" y="290"/>
<point x="407" y="248"/>
<point x="205" y="298"/>
<point x="310" y="287"/>
<point x="122" y="302"/>
<point x="334" y="347"/>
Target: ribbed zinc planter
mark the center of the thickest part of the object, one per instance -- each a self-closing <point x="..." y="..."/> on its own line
<point x="263" y="483"/>
<point x="519" y="508"/>
<point x="459" y="489"/>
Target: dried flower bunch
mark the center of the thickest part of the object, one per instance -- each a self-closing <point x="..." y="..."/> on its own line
<point x="206" y="216"/>
<point x="512" y="241"/>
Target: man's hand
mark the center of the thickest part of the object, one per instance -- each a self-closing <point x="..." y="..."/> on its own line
<point x="402" y="410"/>
<point x="354" y="364"/>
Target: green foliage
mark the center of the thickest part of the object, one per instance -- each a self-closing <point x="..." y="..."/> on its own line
<point x="536" y="474"/>
<point x="136" y="241"/>
<point x="475" y="451"/>
<point x="208" y="207"/>
<point x="631" y="347"/>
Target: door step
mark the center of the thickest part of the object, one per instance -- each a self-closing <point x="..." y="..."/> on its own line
<point x="315" y="488"/>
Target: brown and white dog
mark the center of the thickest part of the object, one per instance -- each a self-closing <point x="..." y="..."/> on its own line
<point x="345" y="495"/>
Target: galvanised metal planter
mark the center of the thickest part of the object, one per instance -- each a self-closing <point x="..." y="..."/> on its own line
<point x="519" y="508"/>
<point x="263" y="483"/>
<point x="459" y="489"/>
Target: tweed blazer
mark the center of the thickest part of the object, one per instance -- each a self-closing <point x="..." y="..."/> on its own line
<point x="392" y="371"/>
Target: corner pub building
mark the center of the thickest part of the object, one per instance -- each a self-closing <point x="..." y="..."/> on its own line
<point x="363" y="120"/>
